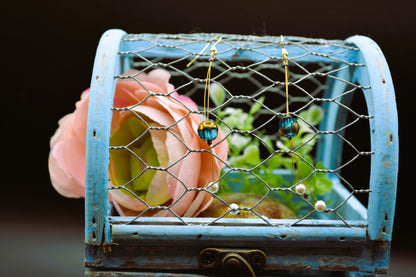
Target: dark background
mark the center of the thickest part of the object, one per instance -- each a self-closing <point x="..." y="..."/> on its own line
<point x="47" y="56"/>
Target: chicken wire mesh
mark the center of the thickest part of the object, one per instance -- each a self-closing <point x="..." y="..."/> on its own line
<point x="248" y="75"/>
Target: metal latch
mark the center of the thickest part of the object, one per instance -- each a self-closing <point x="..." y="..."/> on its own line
<point x="236" y="260"/>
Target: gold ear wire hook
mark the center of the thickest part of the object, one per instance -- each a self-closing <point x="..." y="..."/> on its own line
<point x="285" y="56"/>
<point x="213" y="49"/>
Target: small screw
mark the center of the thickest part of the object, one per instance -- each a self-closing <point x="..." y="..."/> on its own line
<point x="257" y="260"/>
<point x="207" y="257"/>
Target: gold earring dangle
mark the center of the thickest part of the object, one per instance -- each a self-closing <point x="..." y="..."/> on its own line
<point x="207" y="129"/>
<point x="289" y="128"/>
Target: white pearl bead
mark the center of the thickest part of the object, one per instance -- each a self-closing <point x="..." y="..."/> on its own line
<point x="234" y="209"/>
<point x="300" y="189"/>
<point x="213" y="187"/>
<point x="320" y="206"/>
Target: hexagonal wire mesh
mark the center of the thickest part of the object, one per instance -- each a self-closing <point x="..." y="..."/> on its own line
<point x="247" y="71"/>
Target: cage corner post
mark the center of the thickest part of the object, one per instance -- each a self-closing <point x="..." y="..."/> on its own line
<point x="381" y="103"/>
<point x="106" y="65"/>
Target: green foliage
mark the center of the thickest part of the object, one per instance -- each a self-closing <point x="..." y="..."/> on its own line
<point x="245" y="154"/>
<point x="217" y="94"/>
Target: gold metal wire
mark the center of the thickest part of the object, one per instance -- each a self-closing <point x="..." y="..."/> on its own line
<point x="285" y="55"/>
<point x="296" y="168"/>
<point x="213" y="51"/>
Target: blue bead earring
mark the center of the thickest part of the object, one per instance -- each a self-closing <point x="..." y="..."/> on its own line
<point x="289" y="128"/>
<point x="288" y="125"/>
<point x="207" y="129"/>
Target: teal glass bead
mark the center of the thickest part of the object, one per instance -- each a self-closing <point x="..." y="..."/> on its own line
<point x="288" y="127"/>
<point x="208" y="131"/>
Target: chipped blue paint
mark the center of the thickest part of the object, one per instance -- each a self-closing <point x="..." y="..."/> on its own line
<point x="384" y="142"/>
<point x="98" y="131"/>
<point x="384" y="137"/>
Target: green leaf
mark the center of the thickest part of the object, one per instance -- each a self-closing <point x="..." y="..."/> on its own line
<point x="313" y="115"/>
<point x="232" y="111"/>
<point x="252" y="155"/>
<point x="217" y="94"/>
<point x="237" y="142"/>
<point x="237" y="118"/>
<point x="274" y="162"/>
<point x="319" y="165"/>
<point x="236" y="161"/>
<point x="304" y="167"/>
<point x="274" y="181"/>
<point x="269" y="143"/>
<point x="323" y="185"/>
<point x="232" y="116"/>
<point x="256" y="106"/>
<point x="287" y="163"/>
<point x="308" y="142"/>
<point x="245" y="122"/>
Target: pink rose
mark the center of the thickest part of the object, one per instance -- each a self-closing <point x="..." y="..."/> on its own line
<point x="182" y="168"/>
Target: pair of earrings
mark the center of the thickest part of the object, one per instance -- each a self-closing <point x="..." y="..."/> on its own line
<point x="288" y="125"/>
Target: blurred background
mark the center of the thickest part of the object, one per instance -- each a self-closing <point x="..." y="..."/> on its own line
<point x="48" y="50"/>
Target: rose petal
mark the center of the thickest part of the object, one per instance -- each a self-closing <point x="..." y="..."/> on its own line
<point x="157" y="193"/>
<point x="159" y="143"/>
<point x="61" y="178"/>
<point x="186" y="101"/>
<point x="189" y="133"/>
<point x="160" y="78"/>
<point x="64" y="157"/>
<point x="120" y="158"/>
<point x="64" y="126"/>
<point x="200" y="203"/>
<point x="80" y="117"/>
<point x="119" y="209"/>
<point x="123" y="97"/>
<point x="205" y="203"/>
<point x="155" y="113"/>
<point x="188" y="175"/>
<point x="127" y="201"/>
<point x="182" y="118"/>
<point x="141" y="176"/>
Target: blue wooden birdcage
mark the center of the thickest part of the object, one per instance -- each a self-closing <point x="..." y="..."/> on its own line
<point x="351" y="238"/>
